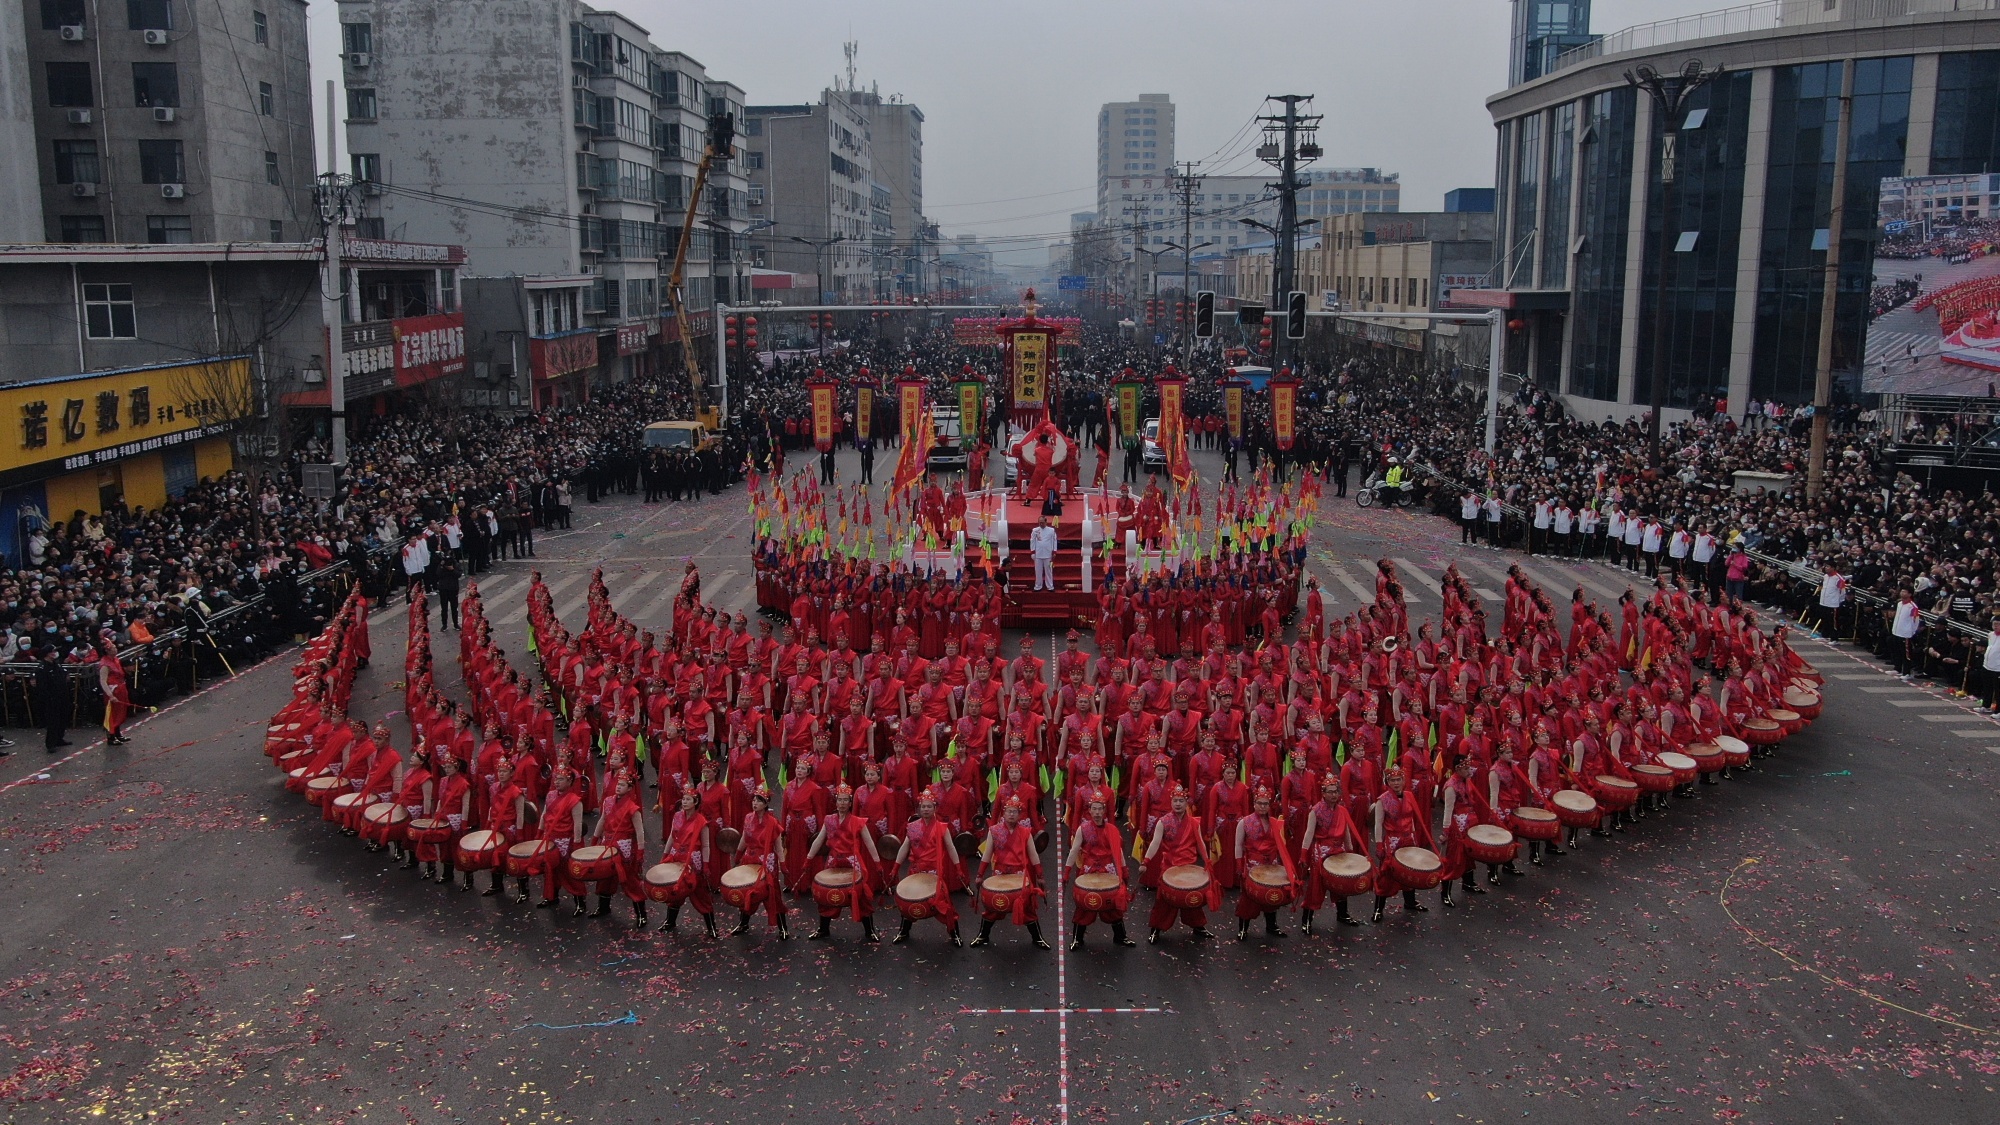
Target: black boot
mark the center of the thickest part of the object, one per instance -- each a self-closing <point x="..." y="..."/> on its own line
<point x="489" y="892"/>
<point x="1380" y="901"/>
<point x="1076" y="942"/>
<point x="1243" y="929"/>
<point x="784" y="928"/>
<point x="1444" y="894"/>
<point x="1152" y="937"/>
<point x="1493" y="874"/>
<point x="603" y="906"/>
<point x="639" y="914"/>
<point x="902" y="933"/>
<point x="1306" y="922"/>
<point x="825" y="931"/>
<point x="1535" y="852"/>
<point x="868" y="932"/>
<point x="956" y="941"/>
<point x="1551" y="848"/>
<point x="1513" y="870"/>
<point x="445" y="872"/>
<point x="1201" y="933"/>
<point x="1118" y="935"/>
<point x="1470" y="884"/>
<point x="708" y="924"/>
<point x="1271" y="924"/>
<point x="1411" y="904"/>
<point x="673" y="915"/>
<point x="985" y="935"/>
<point x="520" y="890"/>
<point x="466" y="883"/>
<point x="582" y="906"/>
<point x="742" y="927"/>
<point x="1343" y="917"/>
<point x="1035" y="934"/>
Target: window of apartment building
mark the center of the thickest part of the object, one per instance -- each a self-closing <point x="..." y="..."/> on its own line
<point x="108" y="312"/>
<point x="640" y="298"/>
<point x="756" y="195"/>
<point x="267" y="99"/>
<point x="156" y="84"/>
<point x="62" y="13"/>
<point x="271" y="175"/>
<point x="160" y="162"/>
<point x="277" y="230"/>
<point x="149" y="15"/>
<point x="361" y="103"/>
<point x="81" y="228"/>
<point x="175" y="229"/>
<point x="76" y="163"/>
<point x="367" y="167"/>
<point x="753" y="127"/>
<point x="358" y="38"/>
<point x="635" y="124"/>
<point x="753" y="161"/>
<point x="609" y="292"/>
<point x="635" y="181"/>
<point x="260" y="30"/>
<point x="371" y="226"/>
<point x="69" y="84"/>
<point x="447" y="291"/>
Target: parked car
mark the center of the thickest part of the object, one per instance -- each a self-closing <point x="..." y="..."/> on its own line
<point x="1155" y="457"/>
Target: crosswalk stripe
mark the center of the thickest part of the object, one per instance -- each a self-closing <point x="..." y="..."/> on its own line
<point x="1979" y="732"/>
<point x="1906" y="703"/>
<point x="1889" y="689"/>
<point x="1498" y="578"/>
<point x="632" y="589"/>
<point x="1855" y="676"/>
<point x="1341" y="576"/>
<point x="1411" y="569"/>
<point x="521" y="610"/>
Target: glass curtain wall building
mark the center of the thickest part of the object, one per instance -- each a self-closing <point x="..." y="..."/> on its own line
<point x="1579" y="197"/>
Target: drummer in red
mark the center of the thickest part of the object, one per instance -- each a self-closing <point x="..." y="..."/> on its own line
<point x="928" y="847"/>
<point x="1178" y="841"/>
<point x="562" y="827"/>
<point x="763" y="844"/>
<point x="848" y="845"/>
<point x="1260" y="840"/>
<point x="621" y="825"/>
<point x="1329" y="830"/>
<point x="1396" y="826"/>
<point x="690" y="840"/>
<point x="1010" y="850"/>
<point x="1099" y="849"/>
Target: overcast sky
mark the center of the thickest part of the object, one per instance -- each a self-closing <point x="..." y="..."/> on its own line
<point x="1010" y="92"/>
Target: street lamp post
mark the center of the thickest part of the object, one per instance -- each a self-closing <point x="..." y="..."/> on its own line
<point x="1670" y="94"/>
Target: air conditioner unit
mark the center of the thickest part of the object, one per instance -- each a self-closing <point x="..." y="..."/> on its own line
<point x="370" y="187"/>
<point x="358" y="59"/>
<point x="173" y="191"/>
<point x="163" y="113"/>
<point x="79" y="117"/>
<point x="155" y="37"/>
<point x="71" y="32"/>
<point x="83" y="191"/>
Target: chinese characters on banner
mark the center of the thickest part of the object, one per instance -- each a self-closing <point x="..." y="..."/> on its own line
<point x="1031" y="372"/>
<point x="1171" y="441"/>
<point x="1232" y="409"/>
<point x="1128" y="408"/>
<point x="864" y="409"/>
<point x="825" y="413"/>
<point x="969" y="414"/>
<point x="917" y="435"/>
<point x="1284" y="412"/>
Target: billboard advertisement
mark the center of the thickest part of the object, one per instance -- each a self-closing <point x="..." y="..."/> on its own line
<point x="1934" y="298"/>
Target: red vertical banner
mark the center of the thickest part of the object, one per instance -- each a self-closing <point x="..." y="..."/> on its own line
<point x="1284" y="410"/>
<point x="917" y="431"/>
<point x="1173" y="440"/>
<point x="1128" y="408"/>
<point x="1232" y="408"/>
<point x="864" y="409"/>
<point x="971" y="415"/>
<point x="825" y="412"/>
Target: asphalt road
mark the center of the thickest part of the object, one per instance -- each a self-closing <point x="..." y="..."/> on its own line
<point x="1812" y="942"/>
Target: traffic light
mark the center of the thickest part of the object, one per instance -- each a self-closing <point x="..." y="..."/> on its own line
<point x="1295" y="316"/>
<point x="1204" y="315"/>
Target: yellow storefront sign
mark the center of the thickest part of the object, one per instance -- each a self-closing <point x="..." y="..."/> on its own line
<point x="54" y="426"/>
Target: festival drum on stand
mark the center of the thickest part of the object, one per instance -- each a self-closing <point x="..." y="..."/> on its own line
<point x="1806" y="701"/>
<point x="593" y="862"/>
<point x="1575" y="808"/>
<point x="1653" y="778"/>
<point x="1185" y="886"/>
<point x="479" y="850"/>
<point x="728" y="839"/>
<point x="997" y="892"/>
<point x="914" y="894"/>
<point x="392" y="818"/>
<point x="662" y="879"/>
<point x="1708" y="757"/>
<point x="279" y="739"/>
<point x="1615" y="793"/>
<point x="347" y="808"/>
<point x="1806" y="671"/>
<point x="430" y="830"/>
<point x="1686" y="769"/>
<point x="1418" y="869"/>
<point x="320" y="790"/>
<point x="1762" y="731"/>
<point x="1347" y="873"/>
<point x="526" y="858"/>
<point x="1785" y="717"/>
<point x="1096" y="889"/>
<point x="295" y="766"/>
<point x="833" y="888"/>
<point x="1735" y="751"/>
<point x="1490" y="843"/>
<point x="739" y="883"/>
<point x="1531" y="823"/>
<point x="1269" y="885"/>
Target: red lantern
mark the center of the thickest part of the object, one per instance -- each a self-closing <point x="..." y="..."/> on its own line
<point x="1516" y="325"/>
<point x="729" y="321"/>
<point x="750" y="322"/>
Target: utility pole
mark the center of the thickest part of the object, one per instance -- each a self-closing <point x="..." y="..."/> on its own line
<point x="1138" y="227"/>
<point x="1290" y="139"/>
<point x="1186" y="186"/>
<point x="335" y="195"/>
<point x="1830" y="288"/>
